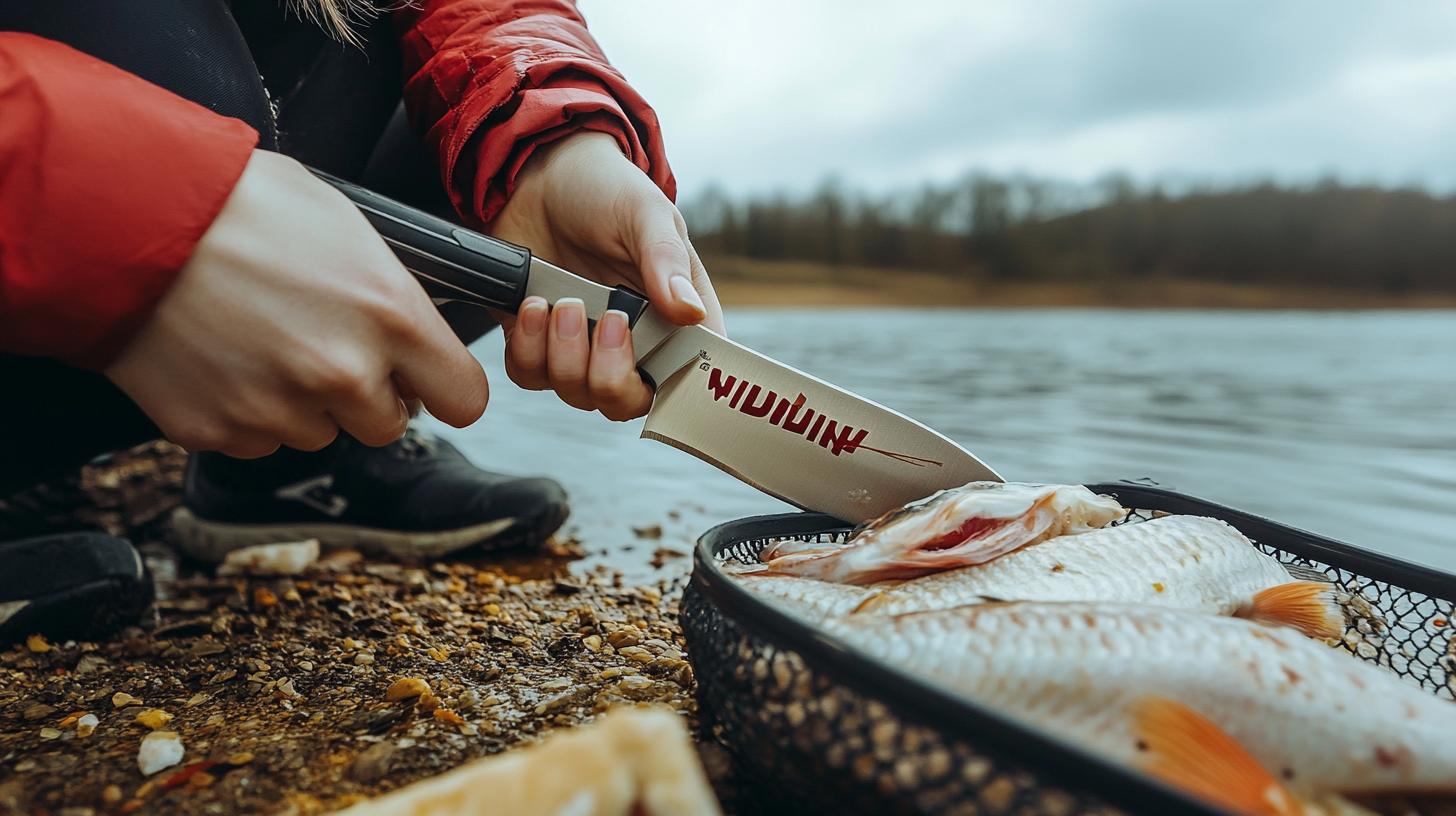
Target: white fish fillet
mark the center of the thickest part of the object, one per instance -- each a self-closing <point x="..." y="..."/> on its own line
<point x="1184" y="562"/>
<point x="955" y="528"/>
<point x="628" y="763"/>
<point x="1320" y="718"/>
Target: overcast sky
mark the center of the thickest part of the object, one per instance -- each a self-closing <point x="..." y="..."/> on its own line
<point x="764" y="94"/>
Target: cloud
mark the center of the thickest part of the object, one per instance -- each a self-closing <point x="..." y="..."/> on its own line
<point x="760" y="95"/>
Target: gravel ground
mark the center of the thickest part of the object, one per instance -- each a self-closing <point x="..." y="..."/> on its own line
<point x="305" y="694"/>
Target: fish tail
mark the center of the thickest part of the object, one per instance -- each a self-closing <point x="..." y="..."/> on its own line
<point x="1186" y="750"/>
<point x="1309" y="606"/>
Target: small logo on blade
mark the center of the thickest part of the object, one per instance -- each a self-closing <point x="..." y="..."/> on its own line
<point x="794" y="416"/>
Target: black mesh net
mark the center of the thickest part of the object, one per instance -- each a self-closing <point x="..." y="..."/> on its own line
<point x="824" y="745"/>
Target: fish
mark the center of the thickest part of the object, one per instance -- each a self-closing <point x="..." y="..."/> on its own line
<point x="807" y="597"/>
<point x="1319" y="719"/>
<point x="1187" y="562"/>
<point x="967" y="525"/>
<point x="628" y="762"/>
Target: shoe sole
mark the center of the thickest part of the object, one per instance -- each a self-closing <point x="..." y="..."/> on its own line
<point x="89" y="611"/>
<point x="211" y="541"/>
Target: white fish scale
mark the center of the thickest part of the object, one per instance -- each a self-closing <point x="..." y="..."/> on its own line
<point x="1076" y="669"/>
<point x="1199" y="563"/>
<point x="815" y="600"/>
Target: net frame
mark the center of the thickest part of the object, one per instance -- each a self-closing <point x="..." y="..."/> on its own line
<point x="831" y="730"/>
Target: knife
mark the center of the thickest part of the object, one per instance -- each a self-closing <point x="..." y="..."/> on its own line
<point x="778" y="429"/>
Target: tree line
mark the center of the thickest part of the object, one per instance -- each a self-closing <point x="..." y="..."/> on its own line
<point x="1330" y="233"/>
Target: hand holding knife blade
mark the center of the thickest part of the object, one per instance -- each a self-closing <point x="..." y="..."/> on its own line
<point x="782" y="431"/>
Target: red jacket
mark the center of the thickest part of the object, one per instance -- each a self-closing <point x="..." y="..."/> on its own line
<point x="107" y="182"/>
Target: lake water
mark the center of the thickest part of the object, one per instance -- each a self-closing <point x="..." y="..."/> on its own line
<point x="1343" y="423"/>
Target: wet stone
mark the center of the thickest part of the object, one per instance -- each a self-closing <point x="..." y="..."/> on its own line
<point x="372" y="764"/>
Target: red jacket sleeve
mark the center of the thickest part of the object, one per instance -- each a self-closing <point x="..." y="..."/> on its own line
<point x="107" y="182"/>
<point x="490" y="80"/>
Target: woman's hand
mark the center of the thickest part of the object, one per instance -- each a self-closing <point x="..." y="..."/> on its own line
<point x="579" y="203"/>
<point x="291" y="320"/>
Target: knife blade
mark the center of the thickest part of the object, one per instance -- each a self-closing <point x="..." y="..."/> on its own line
<point x="778" y="429"/>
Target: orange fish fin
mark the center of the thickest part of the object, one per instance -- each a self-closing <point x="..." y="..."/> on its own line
<point x="1309" y="606"/>
<point x="1186" y="750"/>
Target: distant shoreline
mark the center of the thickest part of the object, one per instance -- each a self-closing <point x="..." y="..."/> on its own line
<point x="749" y="282"/>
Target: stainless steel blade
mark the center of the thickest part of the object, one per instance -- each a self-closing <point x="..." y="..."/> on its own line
<point x="793" y="435"/>
<point x="778" y="429"/>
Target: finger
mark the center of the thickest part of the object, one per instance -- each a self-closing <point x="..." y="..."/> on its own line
<point x="309" y="432"/>
<point x="249" y="446"/>
<point x="662" y="258"/>
<point x="566" y="353"/>
<point x="376" y="419"/>
<point x="705" y="288"/>
<point x="526" y="346"/>
<point x="612" y="378"/>
<point x="434" y="365"/>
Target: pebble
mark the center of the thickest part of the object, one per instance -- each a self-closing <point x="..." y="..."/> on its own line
<point x="37" y="711"/>
<point x="88" y="664"/>
<point x="154" y="718"/>
<point x="405" y="688"/>
<point x="288" y="558"/>
<point x="121" y="700"/>
<point x="159" y="750"/>
<point x="636" y="653"/>
<point x="37" y="644"/>
<point x="206" y="648"/>
<point x="372" y="763"/>
<point x="49" y="733"/>
<point x="111" y="794"/>
<point x="364" y="659"/>
<point x="445" y="715"/>
<point x="623" y="637"/>
<point x="86" y="725"/>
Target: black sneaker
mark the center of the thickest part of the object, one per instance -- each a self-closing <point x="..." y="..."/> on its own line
<point x="417" y="498"/>
<point x="70" y="586"/>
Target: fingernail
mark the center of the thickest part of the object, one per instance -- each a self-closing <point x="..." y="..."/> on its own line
<point x="683" y="290"/>
<point x="613" y="331"/>
<point x="533" y="316"/>
<point x="570" y="317"/>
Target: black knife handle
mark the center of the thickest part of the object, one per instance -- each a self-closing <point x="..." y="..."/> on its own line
<point x="451" y="262"/>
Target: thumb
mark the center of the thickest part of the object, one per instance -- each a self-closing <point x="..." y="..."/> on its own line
<point x="662" y="258"/>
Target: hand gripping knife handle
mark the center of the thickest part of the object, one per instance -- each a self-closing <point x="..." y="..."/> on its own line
<point x="453" y="263"/>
